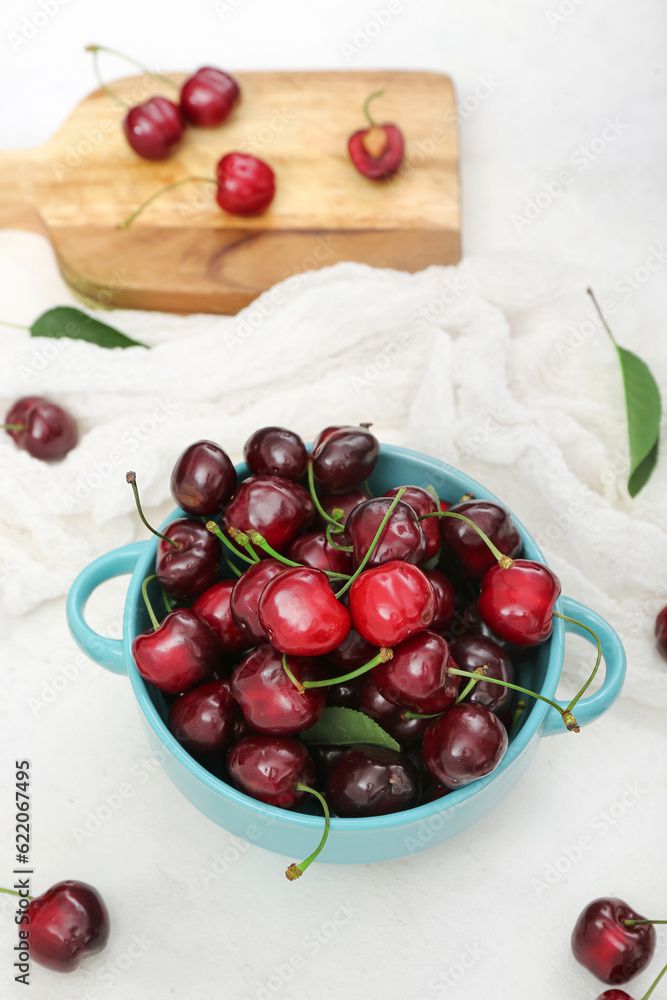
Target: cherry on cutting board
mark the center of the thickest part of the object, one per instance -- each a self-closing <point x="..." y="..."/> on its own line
<point x="41" y="428"/>
<point x="66" y="923"/>
<point x="606" y="946"/>
<point x="376" y="151"/>
<point x="209" y="96"/>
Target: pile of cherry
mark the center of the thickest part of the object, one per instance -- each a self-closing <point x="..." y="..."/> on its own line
<point x="337" y="600"/>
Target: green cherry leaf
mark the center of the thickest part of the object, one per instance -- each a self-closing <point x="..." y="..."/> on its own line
<point x="346" y="726"/>
<point x="65" y="321"/>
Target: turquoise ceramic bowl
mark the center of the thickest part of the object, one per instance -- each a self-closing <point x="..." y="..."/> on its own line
<point x="351" y="840"/>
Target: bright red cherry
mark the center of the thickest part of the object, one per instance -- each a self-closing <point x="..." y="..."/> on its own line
<point x="391" y="602"/>
<point x="661" y="633"/>
<point x="386" y="713"/>
<point x="245" y="595"/>
<point x="270" y="702"/>
<point x="214" y="607"/>
<point x="471" y="550"/>
<point x="614" y="995"/>
<point x="376" y="151"/>
<point x="342" y="457"/>
<point x="372" y="781"/>
<point x="246" y="184"/>
<point x="207" y="719"/>
<point x="208" y="97"/>
<point x="192" y="567"/>
<point x="300" y="614"/>
<point x="277" y="508"/>
<point x="41" y="428"/>
<point x="472" y="652"/>
<point x="203" y="480"/>
<point x="466" y="743"/>
<point x="269" y="768"/>
<point x="67" y="922"/>
<point x="517" y="602"/>
<point x="182" y="652"/>
<point x="606" y="947"/>
<point x="416" y="677"/>
<point x="155" y="128"/>
<point x="422" y="503"/>
<point x="275" y="451"/>
<point x="402" y="536"/>
<point x="314" y="549"/>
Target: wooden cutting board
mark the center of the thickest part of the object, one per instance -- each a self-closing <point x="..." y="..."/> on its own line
<point x="184" y="254"/>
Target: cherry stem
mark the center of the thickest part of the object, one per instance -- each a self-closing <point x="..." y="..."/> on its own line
<point x="631" y="923"/>
<point x="149" y="606"/>
<point x="17" y="326"/>
<point x="576" y="698"/>
<point x="131" y="478"/>
<point x="103" y="85"/>
<point x="13" y="892"/>
<point x="505" y="561"/>
<point x="296" y="871"/>
<point x="167" y="602"/>
<point x="114" y="52"/>
<point x="235" y="570"/>
<point x="215" y="530"/>
<point x="318" y="506"/>
<point x="11" y="427"/>
<point x="601" y="315"/>
<point x="518" y="712"/>
<point x="156" y="194"/>
<point x="651" y="988"/>
<point x="385" y="654"/>
<point x="242" y="539"/>
<point x="473" y="680"/>
<point x="262" y="543"/>
<point x="341" y="548"/>
<point x="372" y="123"/>
<point x="383" y="522"/>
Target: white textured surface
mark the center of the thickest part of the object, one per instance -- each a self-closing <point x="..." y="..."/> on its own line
<point x="482" y="383"/>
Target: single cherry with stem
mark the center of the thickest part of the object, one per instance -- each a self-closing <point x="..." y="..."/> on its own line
<point x="275" y="451"/>
<point x="376" y="151"/>
<point x="206" y="720"/>
<point x="209" y="96"/>
<point x="41" y="428"/>
<point x="203" y="480"/>
<point x="275" y="700"/>
<point x="612" y="941"/>
<point x="372" y="781"/>
<point x="300" y="614"/>
<point x="342" y="459"/>
<point x="402" y="536"/>
<point x="465" y="542"/>
<point x="466" y="743"/>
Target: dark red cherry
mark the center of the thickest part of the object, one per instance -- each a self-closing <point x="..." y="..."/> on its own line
<point x="377" y="152"/>
<point x="388" y="714"/>
<point x="300" y="614"/>
<point x="606" y="947"/>
<point x="41" y="428"/>
<point x="467" y="621"/>
<point x="614" y="995"/>
<point x="323" y="755"/>
<point x="277" y="508"/>
<point x="344" y="458"/>
<point x="313" y="549"/>
<point x="345" y="694"/>
<point x="391" y="602"/>
<point x="343" y="501"/>
<point x="208" y="97"/>
<point x="466" y="743"/>
<point x="214" y="607"/>
<point x="444" y="598"/>
<point x="472" y="652"/>
<point x="353" y="652"/>
<point x="517" y="603"/>
<point x="416" y="677"/>
<point x="194" y="566"/>
<point x="402" y="536"/>
<point x="67" y="922"/>
<point x="473" y="553"/>
<point x="203" y="480"/>
<point x="207" y="719"/>
<point x="270" y="702"/>
<point x="275" y="451"/>
<point x="181" y="653"/>
<point x="422" y="503"/>
<point x="269" y="768"/>
<point x="661" y="633"/>
<point x="245" y="595"/>
<point x="246" y="184"/>
<point x="155" y="128"/>
<point x="372" y="781"/>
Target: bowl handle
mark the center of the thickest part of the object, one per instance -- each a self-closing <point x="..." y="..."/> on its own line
<point x="107" y="652"/>
<point x="589" y="709"/>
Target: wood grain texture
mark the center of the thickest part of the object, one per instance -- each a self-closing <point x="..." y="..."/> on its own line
<point x="185" y="255"/>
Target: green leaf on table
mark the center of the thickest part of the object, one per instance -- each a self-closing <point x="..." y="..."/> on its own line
<point x="346" y="726"/>
<point x="65" y="321"/>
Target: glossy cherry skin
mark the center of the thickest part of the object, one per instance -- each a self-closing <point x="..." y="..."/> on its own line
<point x="353" y="652"/>
<point x="207" y="719"/>
<point x="300" y="614"/>
<point x="423" y="503"/>
<point x="661" y="633"/>
<point x="472" y="652"/>
<point x="269" y="700"/>
<point x="313" y="549"/>
<point x="45" y="431"/>
<point x="444" y="598"/>
<point x="402" y="536"/>
<point x="246" y="184"/>
<point x="344" y="457"/>
<point x="277" y="508"/>
<point x="181" y="653"/>
<point x="614" y="995"/>
<point x="275" y="451"/>
<point x="203" y="480"/>
<point x="194" y="566"/>
<point x="517" y="603"/>
<point x="416" y="677"/>
<point x="344" y="695"/>
<point x="67" y="922"/>
<point x="155" y="128"/>
<point x="245" y="595"/>
<point x="269" y="768"/>
<point x="343" y="501"/>
<point x="391" y="602"/>
<point x="388" y="714"/>
<point x="372" y="781"/>
<point x="612" y="952"/>
<point x="377" y="152"/>
<point x="473" y="553"/>
<point x="467" y="621"/>
<point x="214" y="607"/>
<point x="466" y="743"/>
<point x="208" y="97"/>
